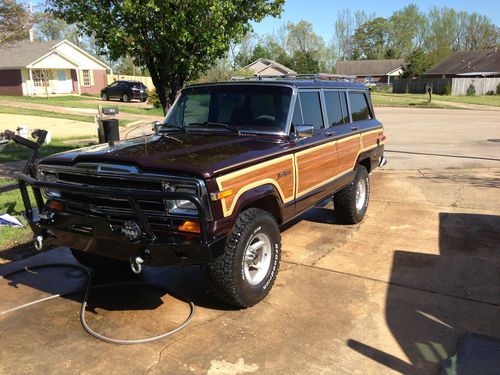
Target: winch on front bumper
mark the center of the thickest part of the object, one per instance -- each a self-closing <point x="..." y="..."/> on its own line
<point x="135" y="239"/>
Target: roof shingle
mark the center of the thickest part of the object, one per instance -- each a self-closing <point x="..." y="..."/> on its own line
<point x="20" y="54"/>
<point x="467" y="62"/>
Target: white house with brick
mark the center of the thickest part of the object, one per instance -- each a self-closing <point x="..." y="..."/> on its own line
<point x="60" y="67"/>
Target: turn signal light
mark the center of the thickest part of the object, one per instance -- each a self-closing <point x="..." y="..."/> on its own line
<point x="55" y="205"/>
<point x="221" y="195"/>
<point x="189" y="226"/>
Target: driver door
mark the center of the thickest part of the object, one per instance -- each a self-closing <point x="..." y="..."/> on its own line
<point x="316" y="155"/>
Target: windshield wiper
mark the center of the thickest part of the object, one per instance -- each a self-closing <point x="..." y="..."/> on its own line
<point x="216" y="125"/>
<point x="169" y="126"/>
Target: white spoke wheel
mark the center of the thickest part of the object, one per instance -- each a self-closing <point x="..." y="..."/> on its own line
<point x="245" y="272"/>
<point x="351" y="202"/>
<point x="257" y="258"/>
<point x="360" y="194"/>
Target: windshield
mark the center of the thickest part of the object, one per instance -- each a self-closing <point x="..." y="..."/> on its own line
<point x="242" y="107"/>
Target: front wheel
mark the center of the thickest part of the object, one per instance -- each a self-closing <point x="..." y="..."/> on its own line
<point x="104" y="97"/>
<point x="351" y="203"/>
<point x="245" y="273"/>
<point x="125" y="98"/>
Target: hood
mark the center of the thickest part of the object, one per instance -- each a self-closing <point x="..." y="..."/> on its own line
<point x="203" y="154"/>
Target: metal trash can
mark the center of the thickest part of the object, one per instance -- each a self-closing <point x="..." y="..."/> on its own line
<point x="111" y="130"/>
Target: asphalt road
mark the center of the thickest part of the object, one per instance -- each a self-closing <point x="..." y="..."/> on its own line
<point x="391" y="295"/>
<point x="420" y="138"/>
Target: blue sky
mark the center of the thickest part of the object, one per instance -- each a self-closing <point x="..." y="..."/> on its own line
<point x="323" y="13"/>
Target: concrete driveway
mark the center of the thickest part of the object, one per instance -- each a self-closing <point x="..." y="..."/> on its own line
<point x="392" y="295"/>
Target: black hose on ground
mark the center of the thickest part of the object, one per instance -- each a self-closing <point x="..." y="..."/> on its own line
<point x="87" y="289"/>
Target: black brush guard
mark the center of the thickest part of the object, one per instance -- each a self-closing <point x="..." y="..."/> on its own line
<point x="96" y="235"/>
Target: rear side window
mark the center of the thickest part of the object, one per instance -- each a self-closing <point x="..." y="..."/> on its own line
<point x="359" y="106"/>
<point x="336" y="108"/>
<point x="311" y="109"/>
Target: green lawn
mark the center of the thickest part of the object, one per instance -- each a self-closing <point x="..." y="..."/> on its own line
<point x="12" y="204"/>
<point x="13" y="151"/>
<point x="40" y="113"/>
<point x="403" y="100"/>
<point x="493" y="100"/>
<point x="84" y="102"/>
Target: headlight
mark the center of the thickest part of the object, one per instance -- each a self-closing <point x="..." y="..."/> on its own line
<point x="50" y="177"/>
<point x="178" y="206"/>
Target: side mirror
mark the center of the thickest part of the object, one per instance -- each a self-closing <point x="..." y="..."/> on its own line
<point x="302" y="131"/>
<point x="156" y="125"/>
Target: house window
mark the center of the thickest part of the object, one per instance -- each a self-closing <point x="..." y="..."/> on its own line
<point x="41" y="77"/>
<point x="86" y="78"/>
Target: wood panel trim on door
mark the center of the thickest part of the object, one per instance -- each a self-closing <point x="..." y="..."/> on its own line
<point x="279" y="172"/>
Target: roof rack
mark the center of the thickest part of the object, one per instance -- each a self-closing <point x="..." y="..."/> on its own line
<point x="315" y="77"/>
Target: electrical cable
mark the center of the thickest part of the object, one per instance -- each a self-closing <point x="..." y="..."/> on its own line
<point x="87" y="290"/>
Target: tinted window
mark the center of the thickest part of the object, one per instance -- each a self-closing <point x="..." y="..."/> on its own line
<point x="343" y="104"/>
<point x="245" y="107"/>
<point x="311" y="109"/>
<point x="359" y="106"/>
<point x="297" y="114"/>
<point x="334" y="108"/>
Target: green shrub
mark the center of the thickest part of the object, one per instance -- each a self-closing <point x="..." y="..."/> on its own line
<point x="153" y="98"/>
<point x="447" y="88"/>
<point x="498" y="89"/>
<point x="490" y="92"/>
<point x="471" y="91"/>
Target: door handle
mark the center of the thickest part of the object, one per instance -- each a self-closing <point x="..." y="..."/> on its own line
<point x="330" y="133"/>
<point x="354" y="127"/>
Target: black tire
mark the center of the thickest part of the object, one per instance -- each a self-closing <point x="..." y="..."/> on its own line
<point x="104" y="97"/>
<point x="227" y="277"/>
<point x="143" y="100"/>
<point x="345" y="200"/>
<point x="125" y="98"/>
<point x="99" y="263"/>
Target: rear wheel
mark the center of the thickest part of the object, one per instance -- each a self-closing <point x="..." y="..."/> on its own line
<point x="245" y="273"/>
<point x="98" y="262"/>
<point x="351" y="202"/>
<point x="125" y="98"/>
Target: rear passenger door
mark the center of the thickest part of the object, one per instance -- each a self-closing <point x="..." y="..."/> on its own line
<point x="316" y="155"/>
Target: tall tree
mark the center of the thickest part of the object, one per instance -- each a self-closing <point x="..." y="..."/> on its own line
<point x="372" y="38"/>
<point x="15" y="21"/>
<point x="406" y="30"/>
<point x="48" y="27"/>
<point x="344" y="32"/>
<point x="177" y="40"/>
<point x="441" y="32"/>
<point x="301" y="37"/>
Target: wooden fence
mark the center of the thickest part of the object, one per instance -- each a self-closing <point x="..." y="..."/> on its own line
<point x="418" y="86"/>
<point x="483" y="86"/>
<point x="120" y="77"/>
<point x="458" y="86"/>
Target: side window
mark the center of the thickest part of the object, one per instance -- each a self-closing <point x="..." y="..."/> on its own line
<point x="311" y="109"/>
<point x="343" y="104"/>
<point x="297" y="114"/>
<point x="334" y="107"/>
<point x="359" y="106"/>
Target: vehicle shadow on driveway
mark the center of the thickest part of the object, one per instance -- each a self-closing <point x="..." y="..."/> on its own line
<point x="183" y="283"/>
<point x="432" y="300"/>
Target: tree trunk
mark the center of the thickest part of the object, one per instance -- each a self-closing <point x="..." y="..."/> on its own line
<point x="166" y="84"/>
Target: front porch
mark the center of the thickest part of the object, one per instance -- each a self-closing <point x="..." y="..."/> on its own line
<point x="46" y="81"/>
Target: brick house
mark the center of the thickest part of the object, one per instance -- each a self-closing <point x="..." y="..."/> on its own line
<point x="59" y="67"/>
<point x="371" y="71"/>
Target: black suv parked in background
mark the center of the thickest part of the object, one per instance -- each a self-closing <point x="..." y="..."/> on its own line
<point x="125" y="91"/>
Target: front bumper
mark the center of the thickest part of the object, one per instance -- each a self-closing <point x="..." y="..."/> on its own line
<point x="96" y="234"/>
